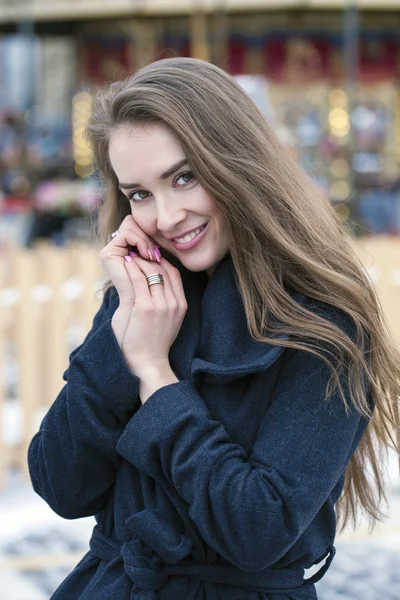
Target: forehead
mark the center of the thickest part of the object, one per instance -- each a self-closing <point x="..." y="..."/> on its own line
<point x="139" y="151"/>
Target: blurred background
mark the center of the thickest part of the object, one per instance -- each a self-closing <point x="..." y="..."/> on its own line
<point x="326" y="73"/>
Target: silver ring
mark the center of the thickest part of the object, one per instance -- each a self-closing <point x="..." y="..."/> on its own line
<point x="114" y="234"/>
<point x="155" y="278"/>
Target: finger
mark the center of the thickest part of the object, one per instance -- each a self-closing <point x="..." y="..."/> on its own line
<point x="137" y="271"/>
<point x="126" y="238"/>
<point x="161" y="294"/>
<point x="130" y="234"/>
<point x="175" y="281"/>
<point x="113" y="262"/>
<point x="167" y="291"/>
<point x="151" y="245"/>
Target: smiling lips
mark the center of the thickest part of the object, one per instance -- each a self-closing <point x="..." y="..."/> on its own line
<point x="189" y="236"/>
<point x="191" y="239"/>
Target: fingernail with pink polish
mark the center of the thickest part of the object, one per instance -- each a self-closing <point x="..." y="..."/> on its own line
<point x="128" y="258"/>
<point x="151" y="255"/>
<point x="157" y="253"/>
<point x="133" y="254"/>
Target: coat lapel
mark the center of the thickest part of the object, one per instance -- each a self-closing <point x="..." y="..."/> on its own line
<point x="213" y="344"/>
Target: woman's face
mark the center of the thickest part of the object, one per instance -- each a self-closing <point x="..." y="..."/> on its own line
<point x="166" y="200"/>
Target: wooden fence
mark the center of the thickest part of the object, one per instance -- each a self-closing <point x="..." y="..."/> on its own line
<point x="48" y="297"/>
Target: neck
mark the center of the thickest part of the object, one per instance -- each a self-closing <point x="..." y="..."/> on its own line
<point x="210" y="271"/>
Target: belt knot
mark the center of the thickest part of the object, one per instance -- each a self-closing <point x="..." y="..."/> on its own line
<point x="149" y="572"/>
<point x="142" y="565"/>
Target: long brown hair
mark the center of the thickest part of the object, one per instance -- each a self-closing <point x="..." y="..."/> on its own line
<point x="283" y="235"/>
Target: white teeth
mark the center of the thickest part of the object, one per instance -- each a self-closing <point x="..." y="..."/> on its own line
<point x="189" y="236"/>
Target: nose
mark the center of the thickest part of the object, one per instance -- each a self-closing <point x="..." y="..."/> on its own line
<point x="169" y="216"/>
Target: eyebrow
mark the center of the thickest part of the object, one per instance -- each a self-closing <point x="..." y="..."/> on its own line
<point x="165" y="175"/>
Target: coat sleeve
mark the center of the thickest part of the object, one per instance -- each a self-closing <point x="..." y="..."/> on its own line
<point x="72" y="459"/>
<point x="250" y="508"/>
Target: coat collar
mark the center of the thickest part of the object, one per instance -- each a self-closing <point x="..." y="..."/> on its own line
<point x="213" y="343"/>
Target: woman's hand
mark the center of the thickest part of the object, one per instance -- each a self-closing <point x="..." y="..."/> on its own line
<point x="156" y="317"/>
<point x="148" y="319"/>
<point x="112" y="257"/>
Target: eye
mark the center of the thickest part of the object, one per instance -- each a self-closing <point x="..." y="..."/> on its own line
<point x="142" y="195"/>
<point x="187" y="178"/>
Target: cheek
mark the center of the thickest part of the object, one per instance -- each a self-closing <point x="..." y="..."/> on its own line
<point x="215" y="212"/>
<point x="206" y="203"/>
<point x="143" y="220"/>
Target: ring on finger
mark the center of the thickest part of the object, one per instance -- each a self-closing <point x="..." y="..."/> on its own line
<point x="154" y="279"/>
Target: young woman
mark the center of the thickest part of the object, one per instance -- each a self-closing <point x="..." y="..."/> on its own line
<point x="224" y="408"/>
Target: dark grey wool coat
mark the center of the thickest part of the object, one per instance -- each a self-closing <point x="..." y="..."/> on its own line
<point x="221" y="486"/>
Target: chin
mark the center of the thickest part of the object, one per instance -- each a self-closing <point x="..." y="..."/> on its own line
<point x="201" y="262"/>
<point x="196" y="268"/>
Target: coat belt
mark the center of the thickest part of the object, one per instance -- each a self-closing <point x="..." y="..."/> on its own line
<point x="147" y="571"/>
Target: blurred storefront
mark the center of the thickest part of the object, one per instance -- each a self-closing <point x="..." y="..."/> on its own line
<point x="348" y="141"/>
